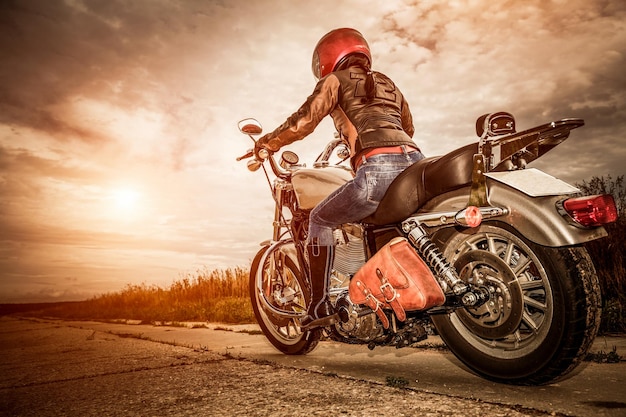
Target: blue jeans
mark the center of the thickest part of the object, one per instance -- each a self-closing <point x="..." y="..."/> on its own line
<point x="358" y="198"/>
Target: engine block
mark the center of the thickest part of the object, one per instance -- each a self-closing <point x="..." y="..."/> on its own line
<point x="357" y="322"/>
<point x="350" y="253"/>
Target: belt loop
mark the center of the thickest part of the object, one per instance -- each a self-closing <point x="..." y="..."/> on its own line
<point x="404" y="151"/>
<point x="363" y="159"/>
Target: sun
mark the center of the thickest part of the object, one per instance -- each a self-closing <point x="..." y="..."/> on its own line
<point x="125" y="199"/>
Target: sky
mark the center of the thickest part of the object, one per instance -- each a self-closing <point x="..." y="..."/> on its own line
<point x="118" y="118"/>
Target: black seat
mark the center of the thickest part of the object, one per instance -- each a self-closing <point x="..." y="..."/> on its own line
<point x="422" y="181"/>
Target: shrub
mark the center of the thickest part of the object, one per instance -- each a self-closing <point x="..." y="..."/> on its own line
<point x="608" y="255"/>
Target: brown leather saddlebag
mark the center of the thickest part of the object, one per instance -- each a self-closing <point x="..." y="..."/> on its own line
<point x="397" y="278"/>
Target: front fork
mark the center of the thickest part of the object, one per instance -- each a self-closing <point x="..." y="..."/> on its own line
<point x="447" y="275"/>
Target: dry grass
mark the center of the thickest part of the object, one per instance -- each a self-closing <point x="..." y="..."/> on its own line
<point x="214" y="296"/>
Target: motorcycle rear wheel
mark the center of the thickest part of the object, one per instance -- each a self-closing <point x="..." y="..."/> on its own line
<point x="543" y="313"/>
<point x="280" y="283"/>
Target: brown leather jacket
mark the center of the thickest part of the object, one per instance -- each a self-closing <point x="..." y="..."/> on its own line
<point x="384" y="120"/>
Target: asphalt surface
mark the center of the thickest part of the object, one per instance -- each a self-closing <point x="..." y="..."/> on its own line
<point x="58" y="368"/>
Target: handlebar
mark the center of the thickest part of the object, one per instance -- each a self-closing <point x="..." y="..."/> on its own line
<point x="252" y="127"/>
<point x="247" y="155"/>
<point x="258" y="160"/>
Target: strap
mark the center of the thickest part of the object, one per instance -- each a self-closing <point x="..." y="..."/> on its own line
<point x="374" y="304"/>
<point x="391" y="296"/>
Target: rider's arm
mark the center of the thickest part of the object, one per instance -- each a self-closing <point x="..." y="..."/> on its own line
<point x="318" y="105"/>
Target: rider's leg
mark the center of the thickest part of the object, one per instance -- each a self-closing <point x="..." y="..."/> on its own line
<point x="320" y="312"/>
<point x="350" y="203"/>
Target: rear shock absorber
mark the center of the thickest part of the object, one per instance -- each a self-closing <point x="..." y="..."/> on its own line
<point x="431" y="254"/>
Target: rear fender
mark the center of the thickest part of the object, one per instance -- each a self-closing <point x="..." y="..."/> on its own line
<point x="536" y="218"/>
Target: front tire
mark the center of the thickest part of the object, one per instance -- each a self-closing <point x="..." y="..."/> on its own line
<point x="543" y="312"/>
<point x="278" y="285"/>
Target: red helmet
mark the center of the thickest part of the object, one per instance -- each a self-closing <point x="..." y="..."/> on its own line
<point x="336" y="45"/>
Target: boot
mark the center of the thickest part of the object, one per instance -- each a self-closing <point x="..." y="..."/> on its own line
<point x="320" y="312"/>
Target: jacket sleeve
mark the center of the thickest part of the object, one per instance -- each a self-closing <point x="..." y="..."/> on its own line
<point x="300" y="124"/>
<point x="407" y="118"/>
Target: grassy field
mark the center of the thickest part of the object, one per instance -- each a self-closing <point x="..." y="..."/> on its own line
<point x="212" y="296"/>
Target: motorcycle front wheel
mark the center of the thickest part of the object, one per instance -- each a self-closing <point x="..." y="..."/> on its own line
<point x="543" y="312"/>
<point x="279" y="295"/>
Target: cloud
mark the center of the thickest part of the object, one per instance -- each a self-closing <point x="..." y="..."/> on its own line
<point x="541" y="61"/>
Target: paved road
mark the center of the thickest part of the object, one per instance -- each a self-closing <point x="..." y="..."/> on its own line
<point x="52" y="368"/>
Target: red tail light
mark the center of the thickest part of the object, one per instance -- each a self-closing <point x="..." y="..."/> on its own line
<point x="594" y="210"/>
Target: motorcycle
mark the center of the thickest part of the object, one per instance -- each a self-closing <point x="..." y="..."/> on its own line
<point x="504" y="242"/>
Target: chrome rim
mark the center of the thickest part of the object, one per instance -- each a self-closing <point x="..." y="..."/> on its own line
<point x="280" y="296"/>
<point x="518" y="315"/>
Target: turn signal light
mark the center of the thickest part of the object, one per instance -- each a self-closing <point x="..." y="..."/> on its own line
<point x="590" y="211"/>
<point x="473" y="216"/>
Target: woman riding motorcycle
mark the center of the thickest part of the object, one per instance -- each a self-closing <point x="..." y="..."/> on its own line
<point x="373" y="119"/>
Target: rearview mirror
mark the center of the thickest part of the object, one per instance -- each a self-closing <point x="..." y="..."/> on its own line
<point x="250" y="127"/>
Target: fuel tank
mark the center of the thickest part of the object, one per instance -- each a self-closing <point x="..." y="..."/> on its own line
<point x="312" y="185"/>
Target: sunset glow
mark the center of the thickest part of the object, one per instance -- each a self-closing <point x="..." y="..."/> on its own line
<point x="118" y="121"/>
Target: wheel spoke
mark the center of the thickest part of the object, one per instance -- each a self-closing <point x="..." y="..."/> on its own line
<point x="534" y="303"/>
<point x="298" y="306"/>
<point x="521" y="266"/>
<point x="291" y="328"/>
<point x="491" y="244"/>
<point x="531" y="285"/>
<point x="508" y="253"/>
<point x="530" y="322"/>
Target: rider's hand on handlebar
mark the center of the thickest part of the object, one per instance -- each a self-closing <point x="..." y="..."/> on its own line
<point x="263" y="143"/>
